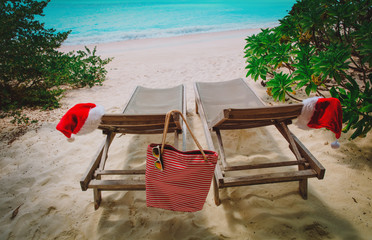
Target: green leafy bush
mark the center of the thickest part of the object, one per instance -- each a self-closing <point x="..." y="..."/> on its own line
<point x="323" y="47"/>
<point x="32" y="70"/>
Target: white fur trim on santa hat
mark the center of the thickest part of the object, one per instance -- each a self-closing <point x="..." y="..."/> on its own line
<point x="306" y="113"/>
<point x="93" y="120"/>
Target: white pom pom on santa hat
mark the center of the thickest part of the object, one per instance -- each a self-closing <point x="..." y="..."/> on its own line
<point x="320" y="112"/>
<point x="81" y="119"/>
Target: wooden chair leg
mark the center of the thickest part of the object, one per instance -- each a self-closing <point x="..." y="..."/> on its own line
<point x="303" y="188"/>
<point x="217" y="200"/>
<point x="97" y="198"/>
<point x="196" y="107"/>
<point x="221" y="148"/>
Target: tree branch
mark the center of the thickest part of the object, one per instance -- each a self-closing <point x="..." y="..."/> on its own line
<point x="289" y="95"/>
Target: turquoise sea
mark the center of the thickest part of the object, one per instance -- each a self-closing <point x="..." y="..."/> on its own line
<point x="94" y="21"/>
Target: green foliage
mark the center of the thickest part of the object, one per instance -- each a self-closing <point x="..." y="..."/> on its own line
<point x="324" y="47"/>
<point x="18" y="117"/>
<point x="32" y="70"/>
<point x="280" y="86"/>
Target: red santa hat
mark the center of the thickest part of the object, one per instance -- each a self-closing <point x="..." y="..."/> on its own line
<point x="81" y="119"/>
<point x="320" y="112"/>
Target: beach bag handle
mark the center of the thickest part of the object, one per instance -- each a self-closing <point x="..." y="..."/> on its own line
<point x="184" y="179"/>
<point x="167" y="119"/>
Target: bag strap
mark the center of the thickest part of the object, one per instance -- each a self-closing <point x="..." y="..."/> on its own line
<point x="166" y="125"/>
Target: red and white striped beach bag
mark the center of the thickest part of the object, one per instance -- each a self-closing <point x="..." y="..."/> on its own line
<point x="183" y="181"/>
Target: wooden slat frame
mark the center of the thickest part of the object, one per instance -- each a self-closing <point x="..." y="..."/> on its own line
<point x="126" y="124"/>
<point x="133" y="124"/>
<point x="280" y="116"/>
<point x="313" y="162"/>
<point x="112" y="185"/>
<point x="89" y="174"/>
<point x="263" y="165"/>
<point x="243" y="118"/>
<point x="268" y="178"/>
<point x="120" y="172"/>
<point x="122" y="120"/>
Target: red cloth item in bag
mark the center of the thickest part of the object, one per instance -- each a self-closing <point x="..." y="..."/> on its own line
<point x="183" y="180"/>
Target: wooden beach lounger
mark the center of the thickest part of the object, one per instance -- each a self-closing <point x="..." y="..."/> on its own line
<point x="144" y="114"/>
<point x="234" y="105"/>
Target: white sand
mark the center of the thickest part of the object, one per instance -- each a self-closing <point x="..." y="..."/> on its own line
<point x="41" y="171"/>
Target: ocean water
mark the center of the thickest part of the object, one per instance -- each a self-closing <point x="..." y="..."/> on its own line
<point x="95" y="21"/>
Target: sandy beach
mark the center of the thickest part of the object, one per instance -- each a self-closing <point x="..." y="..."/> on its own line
<point x="40" y="170"/>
